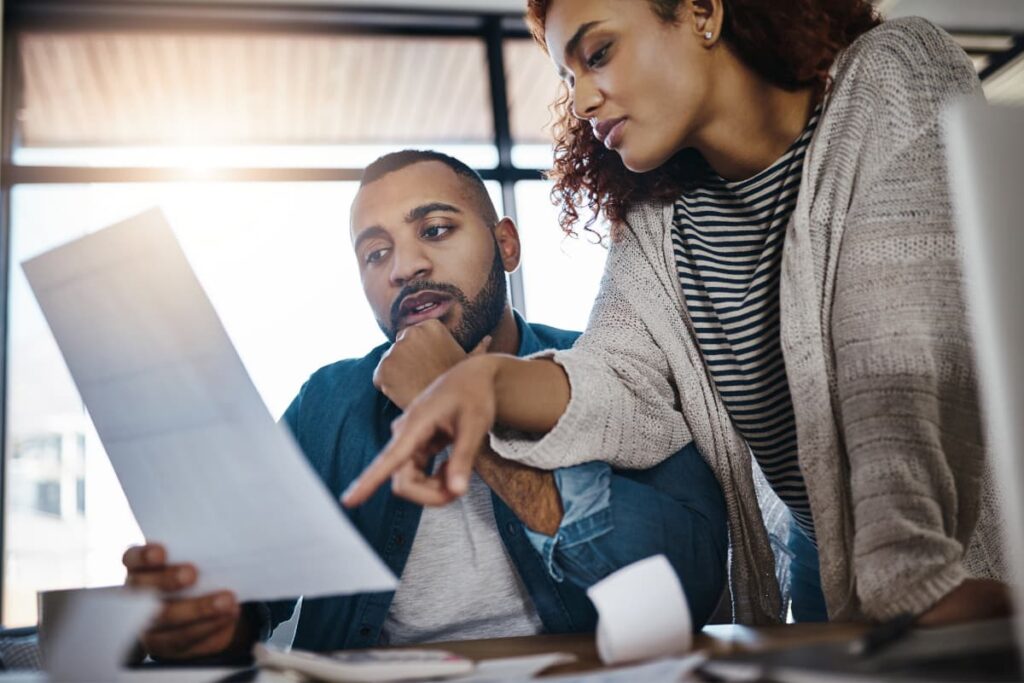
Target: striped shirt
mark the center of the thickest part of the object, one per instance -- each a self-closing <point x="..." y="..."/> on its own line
<point x="727" y="238"/>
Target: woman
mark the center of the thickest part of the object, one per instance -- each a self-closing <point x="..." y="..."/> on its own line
<point x="782" y="281"/>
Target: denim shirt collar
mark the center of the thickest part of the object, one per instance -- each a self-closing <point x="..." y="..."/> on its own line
<point x="528" y="341"/>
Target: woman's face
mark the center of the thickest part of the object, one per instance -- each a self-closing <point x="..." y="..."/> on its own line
<point x="641" y="82"/>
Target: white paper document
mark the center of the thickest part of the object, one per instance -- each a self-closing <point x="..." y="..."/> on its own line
<point x="205" y="468"/>
<point x="673" y="670"/>
<point x="96" y="629"/>
<point x="642" y="613"/>
<point x="515" y="668"/>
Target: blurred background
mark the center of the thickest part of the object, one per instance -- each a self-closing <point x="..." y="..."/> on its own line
<point x="249" y="123"/>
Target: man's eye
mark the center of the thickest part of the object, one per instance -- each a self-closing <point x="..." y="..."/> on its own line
<point x="597" y="58"/>
<point x="376" y="255"/>
<point x="434" y="231"/>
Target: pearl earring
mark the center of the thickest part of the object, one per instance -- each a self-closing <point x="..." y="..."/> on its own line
<point x="709" y="35"/>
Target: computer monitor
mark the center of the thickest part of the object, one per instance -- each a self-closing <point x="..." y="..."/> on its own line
<point x="985" y="146"/>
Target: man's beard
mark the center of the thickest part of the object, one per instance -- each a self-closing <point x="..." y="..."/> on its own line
<point x="479" y="316"/>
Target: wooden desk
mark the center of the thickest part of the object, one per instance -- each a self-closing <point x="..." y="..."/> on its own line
<point x="717" y="640"/>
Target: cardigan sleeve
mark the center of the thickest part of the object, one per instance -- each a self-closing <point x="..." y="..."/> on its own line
<point x="624" y="407"/>
<point x="905" y="374"/>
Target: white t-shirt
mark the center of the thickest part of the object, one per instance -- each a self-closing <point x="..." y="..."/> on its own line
<point x="459" y="582"/>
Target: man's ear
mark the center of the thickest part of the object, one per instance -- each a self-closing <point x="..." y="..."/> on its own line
<point x="507" y="236"/>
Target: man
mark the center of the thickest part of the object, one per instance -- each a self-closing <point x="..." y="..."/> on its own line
<point x="514" y="555"/>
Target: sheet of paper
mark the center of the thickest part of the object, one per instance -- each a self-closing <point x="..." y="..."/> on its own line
<point x="96" y="629"/>
<point x="672" y="670"/>
<point x="205" y="468"/>
<point x="515" y="668"/>
<point x="642" y="613"/>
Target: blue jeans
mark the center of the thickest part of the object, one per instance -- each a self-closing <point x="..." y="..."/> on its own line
<point x="804" y="578"/>
<point x="613" y="518"/>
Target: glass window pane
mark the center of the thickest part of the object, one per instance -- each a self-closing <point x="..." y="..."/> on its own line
<point x="561" y="274"/>
<point x="106" y="89"/>
<point x="532" y="87"/>
<point x="276" y="262"/>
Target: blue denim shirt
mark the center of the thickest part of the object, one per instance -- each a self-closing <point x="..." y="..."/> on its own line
<point x="341" y="421"/>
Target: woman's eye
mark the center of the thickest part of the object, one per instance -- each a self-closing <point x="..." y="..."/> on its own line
<point x="376" y="255"/>
<point x="597" y="58"/>
<point x="435" y="231"/>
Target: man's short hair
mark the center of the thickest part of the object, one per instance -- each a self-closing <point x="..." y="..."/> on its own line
<point x="396" y="161"/>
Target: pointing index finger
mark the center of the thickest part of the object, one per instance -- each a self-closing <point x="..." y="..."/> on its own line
<point x="404" y="445"/>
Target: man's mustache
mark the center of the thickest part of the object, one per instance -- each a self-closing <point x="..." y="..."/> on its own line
<point x="424" y="285"/>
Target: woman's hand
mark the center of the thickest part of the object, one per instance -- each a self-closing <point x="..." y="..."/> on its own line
<point x="457" y="409"/>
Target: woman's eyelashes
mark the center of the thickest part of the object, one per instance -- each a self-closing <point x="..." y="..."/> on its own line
<point x="598" y="56"/>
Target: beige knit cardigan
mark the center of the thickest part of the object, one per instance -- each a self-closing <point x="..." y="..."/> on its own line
<point x="875" y="339"/>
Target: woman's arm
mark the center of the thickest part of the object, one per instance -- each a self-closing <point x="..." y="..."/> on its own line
<point x="906" y="380"/>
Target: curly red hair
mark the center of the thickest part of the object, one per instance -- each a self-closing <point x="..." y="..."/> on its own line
<point x="791" y="44"/>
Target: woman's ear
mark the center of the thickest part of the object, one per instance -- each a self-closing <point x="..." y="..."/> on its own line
<point x="707" y="18"/>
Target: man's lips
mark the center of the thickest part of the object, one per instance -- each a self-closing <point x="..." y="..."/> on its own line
<point x="609" y="131"/>
<point x="421" y="306"/>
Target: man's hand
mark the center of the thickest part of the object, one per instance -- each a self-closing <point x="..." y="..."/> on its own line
<point x="457" y="410"/>
<point x="186" y="627"/>
<point x="421" y="353"/>
<point x="972" y="600"/>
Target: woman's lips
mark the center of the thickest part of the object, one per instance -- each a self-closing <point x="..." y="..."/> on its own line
<point x="609" y="131"/>
<point x="614" y="137"/>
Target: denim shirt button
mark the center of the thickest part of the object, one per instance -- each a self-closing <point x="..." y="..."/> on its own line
<point x="513" y="528"/>
<point x="364" y="631"/>
<point x="399" y="539"/>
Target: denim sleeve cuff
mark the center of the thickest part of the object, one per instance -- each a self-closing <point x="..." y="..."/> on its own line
<point x="585" y="491"/>
<point x="260" y="617"/>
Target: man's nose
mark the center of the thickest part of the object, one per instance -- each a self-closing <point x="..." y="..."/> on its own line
<point x="409" y="265"/>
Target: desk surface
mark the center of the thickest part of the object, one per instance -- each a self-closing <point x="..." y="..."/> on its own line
<point x="716" y="640"/>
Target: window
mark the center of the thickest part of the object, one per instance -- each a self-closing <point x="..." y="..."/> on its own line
<point x="561" y="274"/>
<point x="112" y="122"/>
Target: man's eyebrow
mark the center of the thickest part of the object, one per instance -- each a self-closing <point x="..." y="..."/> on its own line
<point x="574" y="42"/>
<point x="368" y="233"/>
<point x="423" y="209"/>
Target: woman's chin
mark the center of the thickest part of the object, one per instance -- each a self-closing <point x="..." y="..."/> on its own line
<point x="640" y="163"/>
<point x="638" y="166"/>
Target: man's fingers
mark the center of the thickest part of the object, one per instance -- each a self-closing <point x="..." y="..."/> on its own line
<point x="146" y="556"/>
<point x="408" y="440"/>
<point x="181" y="642"/>
<point x="213" y="644"/>
<point x="168" y="579"/>
<point x="178" y="613"/>
<point x="482" y="347"/>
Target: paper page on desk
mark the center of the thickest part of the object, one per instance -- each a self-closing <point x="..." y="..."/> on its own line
<point x="515" y="668"/>
<point x="642" y="612"/>
<point x="96" y="629"/>
<point x="673" y="670"/>
<point x="205" y="468"/>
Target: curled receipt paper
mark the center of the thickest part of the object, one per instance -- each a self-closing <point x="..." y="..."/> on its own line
<point x="642" y="613"/>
